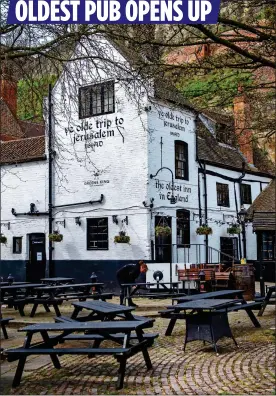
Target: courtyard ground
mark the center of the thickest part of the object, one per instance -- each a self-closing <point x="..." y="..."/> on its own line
<point x="249" y="369"/>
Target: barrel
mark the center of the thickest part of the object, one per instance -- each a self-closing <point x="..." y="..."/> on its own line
<point x="245" y="280"/>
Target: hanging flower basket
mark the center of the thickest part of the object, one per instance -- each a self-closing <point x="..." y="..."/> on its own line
<point x="56" y="237"/>
<point x="204" y="230"/>
<point x="163" y="231"/>
<point x="234" y="229"/>
<point x="3" y="239"/>
<point x="121" y="238"/>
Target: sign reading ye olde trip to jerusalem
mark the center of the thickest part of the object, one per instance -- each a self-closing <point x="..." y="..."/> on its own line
<point x="94" y="134"/>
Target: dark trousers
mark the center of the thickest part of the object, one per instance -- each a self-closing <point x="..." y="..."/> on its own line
<point x="122" y="295"/>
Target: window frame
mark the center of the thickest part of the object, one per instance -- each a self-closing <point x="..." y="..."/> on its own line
<point x="181" y="143"/>
<point x="187" y="221"/>
<point x="245" y="186"/>
<point x="90" y="220"/>
<point x="226" y="202"/>
<point x="14" y="239"/>
<point x="89" y="88"/>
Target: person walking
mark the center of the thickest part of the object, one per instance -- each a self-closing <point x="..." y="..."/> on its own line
<point x="128" y="274"/>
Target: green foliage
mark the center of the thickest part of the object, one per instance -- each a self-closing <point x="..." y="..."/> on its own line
<point x="56" y="237"/>
<point x="121" y="238"/>
<point x="163" y="231"/>
<point x="30" y="96"/>
<point x="204" y="230"/>
<point x="217" y="87"/>
<point x="3" y="239"/>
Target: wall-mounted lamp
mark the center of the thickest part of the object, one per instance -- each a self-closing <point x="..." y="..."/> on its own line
<point x="61" y="222"/>
<point x="8" y="225"/>
<point x="125" y="220"/>
<point x="77" y="221"/>
<point x="115" y="219"/>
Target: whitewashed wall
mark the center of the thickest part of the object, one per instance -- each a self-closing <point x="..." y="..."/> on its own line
<point x="21" y="185"/>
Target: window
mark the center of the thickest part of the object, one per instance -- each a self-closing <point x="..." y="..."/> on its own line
<point x="268" y="245"/>
<point x="223" y="194"/>
<point x="246" y="194"/>
<point x="181" y="160"/>
<point x="17" y="245"/>
<point x="183" y="227"/>
<point x="96" y="100"/>
<point x="97" y="234"/>
<point x="228" y="247"/>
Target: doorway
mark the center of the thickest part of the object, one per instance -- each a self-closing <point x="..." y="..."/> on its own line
<point x="229" y="246"/>
<point x="36" y="265"/>
<point x="163" y="244"/>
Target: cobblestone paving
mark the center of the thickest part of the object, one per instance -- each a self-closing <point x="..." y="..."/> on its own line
<point x="250" y="369"/>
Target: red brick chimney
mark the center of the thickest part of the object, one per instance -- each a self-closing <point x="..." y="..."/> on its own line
<point x="243" y="130"/>
<point x="8" y="89"/>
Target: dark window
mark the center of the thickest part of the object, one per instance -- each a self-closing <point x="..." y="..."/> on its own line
<point x="181" y="160"/>
<point x="223" y="194"/>
<point x="268" y="245"/>
<point x="17" y="245"/>
<point x="163" y="244"/>
<point x="246" y="194"/>
<point x="228" y="247"/>
<point x="183" y="227"/>
<point x="96" y="100"/>
<point x="97" y="234"/>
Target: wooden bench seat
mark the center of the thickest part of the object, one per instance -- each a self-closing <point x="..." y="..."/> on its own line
<point x="158" y="295"/>
<point x="166" y="313"/>
<point x="3" y="323"/>
<point x="65" y="351"/>
<point x="253" y="305"/>
<point x="64" y="319"/>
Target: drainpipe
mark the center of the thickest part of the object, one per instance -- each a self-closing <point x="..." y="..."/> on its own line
<point x="205" y="212"/>
<point x="50" y="176"/>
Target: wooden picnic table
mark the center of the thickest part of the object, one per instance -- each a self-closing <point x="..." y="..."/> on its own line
<point x="101" y="310"/>
<point x="209" y="320"/>
<point x="19" y="295"/>
<point x="265" y="301"/>
<point x="173" y="311"/>
<point x="13" y="283"/>
<point x="57" y="280"/>
<point x="131" y="289"/>
<point x="54" y="295"/>
<point x="117" y="331"/>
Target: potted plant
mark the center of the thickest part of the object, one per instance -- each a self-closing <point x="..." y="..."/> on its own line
<point x="163" y="231"/>
<point x="234" y="229"/>
<point x="204" y="230"/>
<point x="3" y="239"/>
<point x="56" y="236"/>
<point x="122" y="238"/>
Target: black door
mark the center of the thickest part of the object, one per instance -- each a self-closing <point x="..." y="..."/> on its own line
<point x="36" y="264"/>
<point x="163" y="244"/>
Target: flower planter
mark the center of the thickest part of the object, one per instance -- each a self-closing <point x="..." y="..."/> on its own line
<point x="56" y="237"/>
<point x="204" y="230"/>
<point x="3" y="239"/>
<point x="121" y="238"/>
<point x="163" y="231"/>
<point x="234" y="229"/>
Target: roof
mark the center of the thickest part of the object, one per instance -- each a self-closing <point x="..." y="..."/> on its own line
<point x="9" y="123"/>
<point x="262" y="212"/>
<point x="223" y="155"/>
<point x="22" y="150"/>
<point x="32" y="129"/>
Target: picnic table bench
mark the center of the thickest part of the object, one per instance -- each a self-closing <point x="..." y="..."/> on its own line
<point x="173" y="312"/>
<point x="57" y="281"/>
<point x="132" y="289"/>
<point x="4" y="322"/>
<point x="100" y="330"/>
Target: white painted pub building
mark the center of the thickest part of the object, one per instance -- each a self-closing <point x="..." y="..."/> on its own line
<point x="120" y="152"/>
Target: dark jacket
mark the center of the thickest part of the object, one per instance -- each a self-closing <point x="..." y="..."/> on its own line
<point x="128" y="273"/>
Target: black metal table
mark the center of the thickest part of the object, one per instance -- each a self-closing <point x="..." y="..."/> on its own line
<point x="216" y="294"/>
<point x="131" y="289"/>
<point x="101" y="310"/>
<point x="57" y="281"/>
<point x="207" y="323"/>
<point x="248" y="307"/>
<point x="102" y="330"/>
